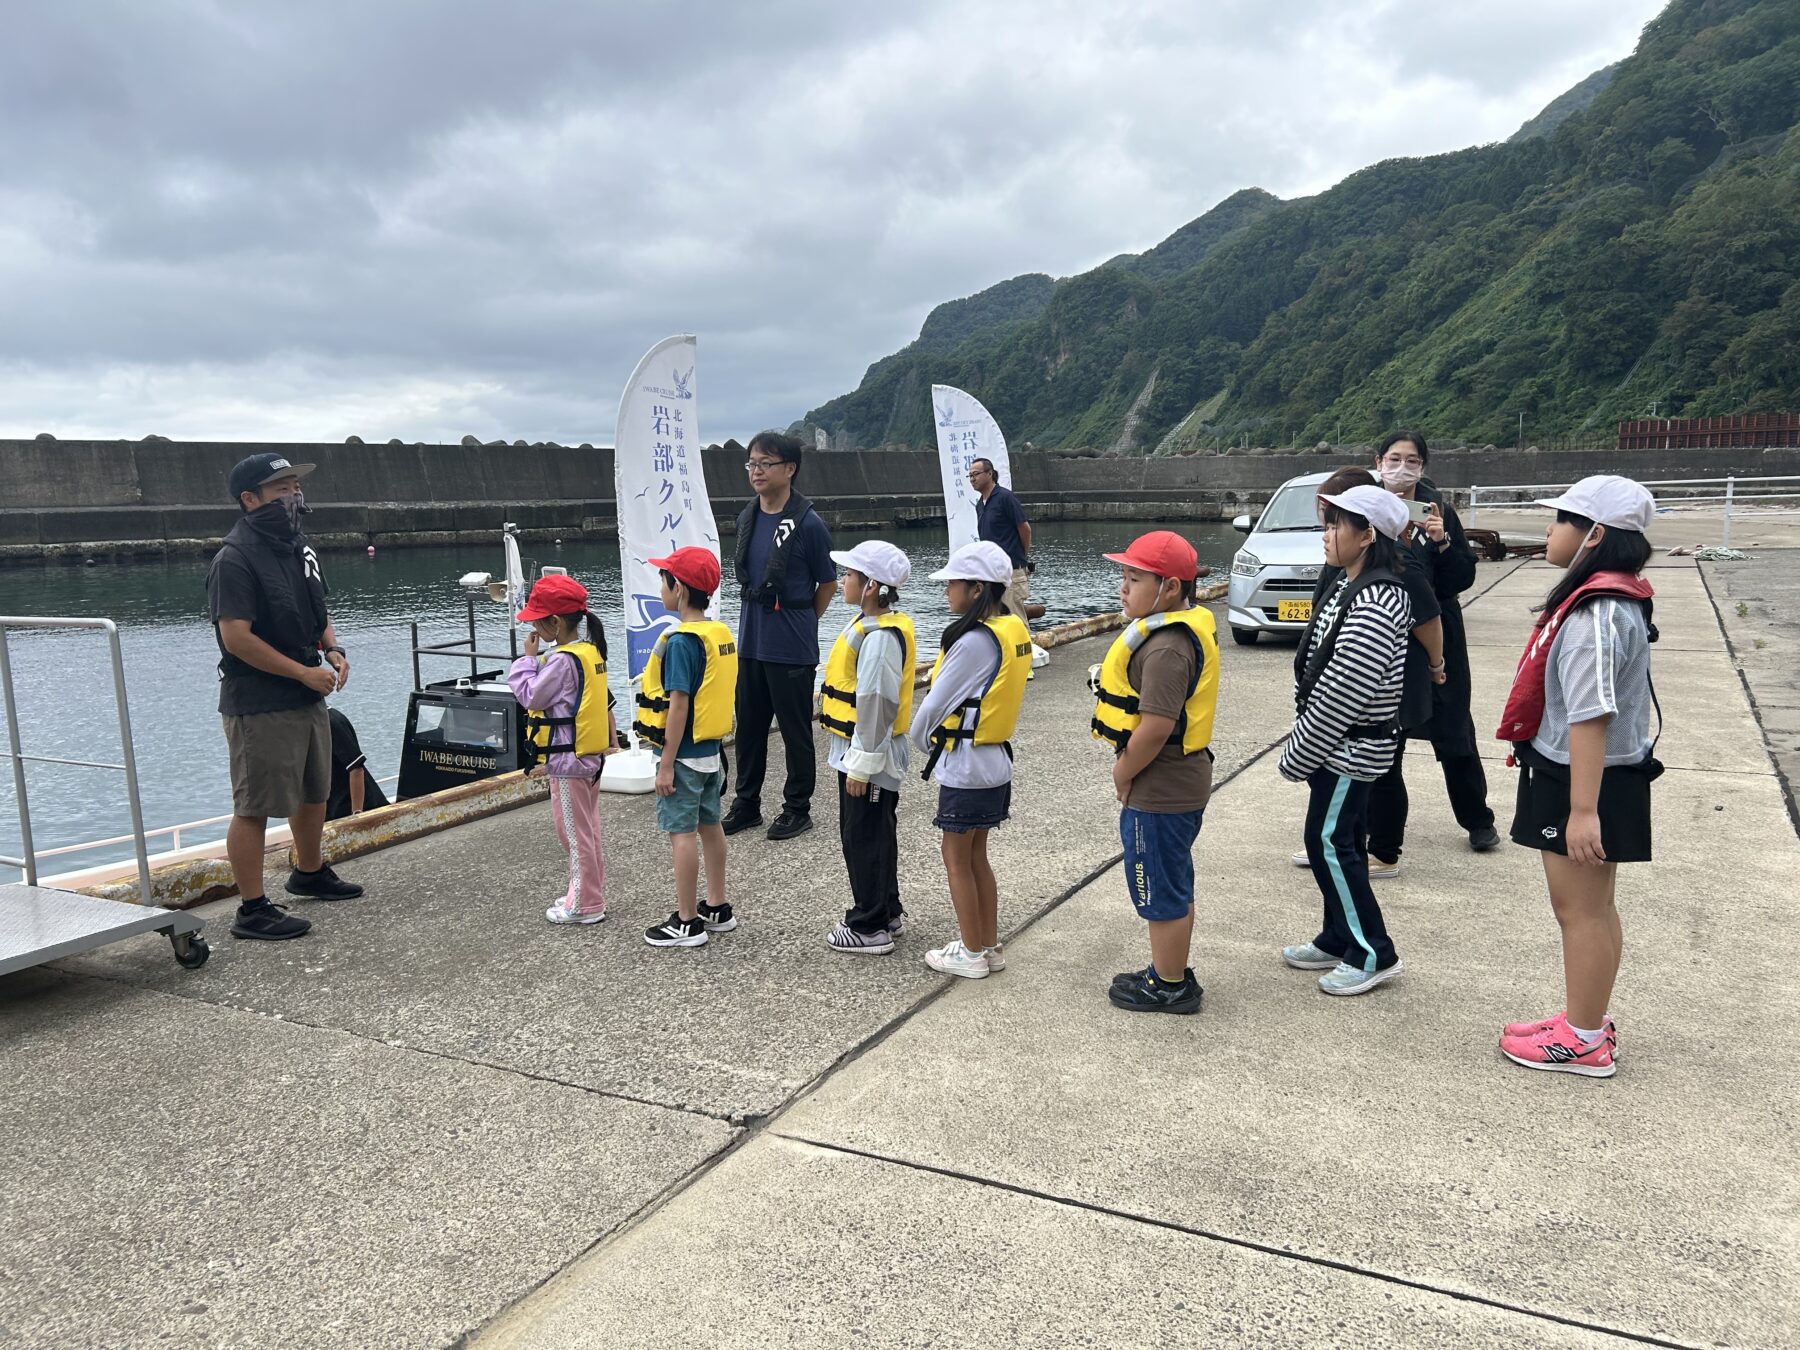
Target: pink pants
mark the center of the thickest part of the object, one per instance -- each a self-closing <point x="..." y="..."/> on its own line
<point x="575" y="807"/>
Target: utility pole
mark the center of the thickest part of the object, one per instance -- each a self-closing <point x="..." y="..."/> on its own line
<point x="1521" y="441"/>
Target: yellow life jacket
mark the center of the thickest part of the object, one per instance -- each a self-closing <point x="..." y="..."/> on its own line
<point x="586" y="732"/>
<point x="709" y="717"/>
<point x="837" y="699"/>
<point x="990" y="718"/>
<point x="1116" y="713"/>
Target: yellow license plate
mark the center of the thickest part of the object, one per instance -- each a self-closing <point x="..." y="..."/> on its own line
<point x="1293" y="611"/>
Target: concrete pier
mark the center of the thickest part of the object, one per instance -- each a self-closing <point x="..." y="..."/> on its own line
<point x="440" y="1120"/>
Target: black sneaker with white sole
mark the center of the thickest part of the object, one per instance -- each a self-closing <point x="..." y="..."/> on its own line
<point x="676" y="931"/>
<point x="323" y="884"/>
<point x="268" y="922"/>
<point x="719" y="919"/>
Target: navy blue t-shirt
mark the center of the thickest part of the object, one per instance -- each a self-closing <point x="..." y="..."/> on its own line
<point x="998" y="520"/>
<point x="790" y="635"/>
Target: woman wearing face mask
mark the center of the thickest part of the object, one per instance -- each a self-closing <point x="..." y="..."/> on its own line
<point x="1439" y="549"/>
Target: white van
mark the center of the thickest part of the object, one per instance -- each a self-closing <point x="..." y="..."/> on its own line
<point x="1273" y="574"/>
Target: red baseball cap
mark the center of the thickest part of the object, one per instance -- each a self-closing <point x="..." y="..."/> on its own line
<point x="696" y="566"/>
<point x="554" y="595"/>
<point x="1162" y="553"/>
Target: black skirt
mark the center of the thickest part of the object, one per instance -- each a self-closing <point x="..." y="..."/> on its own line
<point x="1541" y="812"/>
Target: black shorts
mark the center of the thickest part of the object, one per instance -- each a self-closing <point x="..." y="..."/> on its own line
<point x="1541" y="812"/>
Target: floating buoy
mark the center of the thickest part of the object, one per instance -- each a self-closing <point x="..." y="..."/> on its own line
<point x="371" y="550"/>
<point x="559" y="543"/>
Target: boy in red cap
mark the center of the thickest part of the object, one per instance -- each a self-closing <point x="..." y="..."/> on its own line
<point x="685" y="710"/>
<point x="1155" y="694"/>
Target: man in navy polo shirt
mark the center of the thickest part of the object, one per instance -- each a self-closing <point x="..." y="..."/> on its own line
<point x="1001" y="520"/>
<point x="787" y="579"/>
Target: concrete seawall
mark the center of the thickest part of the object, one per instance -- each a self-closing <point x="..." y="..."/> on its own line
<point x="79" y="499"/>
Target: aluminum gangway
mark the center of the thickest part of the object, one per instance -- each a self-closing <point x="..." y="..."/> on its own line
<point x="39" y="924"/>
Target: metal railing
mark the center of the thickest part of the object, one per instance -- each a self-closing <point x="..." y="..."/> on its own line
<point x="1684" y="492"/>
<point x="128" y="766"/>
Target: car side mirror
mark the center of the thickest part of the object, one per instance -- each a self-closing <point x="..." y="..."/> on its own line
<point x="1241" y="524"/>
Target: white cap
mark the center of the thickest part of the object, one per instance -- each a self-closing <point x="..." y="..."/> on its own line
<point x="985" y="561"/>
<point x="1378" y="506"/>
<point x="1607" y="499"/>
<point x="877" y="560"/>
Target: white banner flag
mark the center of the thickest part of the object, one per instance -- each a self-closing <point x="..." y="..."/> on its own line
<point x="966" y="432"/>
<point x="660" y="485"/>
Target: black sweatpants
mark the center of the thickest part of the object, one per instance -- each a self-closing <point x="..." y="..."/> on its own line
<point x="1336" y="818"/>
<point x="770" y="690"/>
<point x="869" y="828"/>
<point x="1388" y="803"/>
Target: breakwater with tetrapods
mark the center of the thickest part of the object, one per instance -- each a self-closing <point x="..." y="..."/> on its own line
<point x="75" y="500"/>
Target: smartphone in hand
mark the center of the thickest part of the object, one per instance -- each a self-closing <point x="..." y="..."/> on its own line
<point x="1417" y="511"/>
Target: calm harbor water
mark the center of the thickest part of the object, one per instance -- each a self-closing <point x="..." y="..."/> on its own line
<point x="64" y="685"/>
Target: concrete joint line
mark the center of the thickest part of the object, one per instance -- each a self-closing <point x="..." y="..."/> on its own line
<point x="1737" y="664"/>
<point x="1247" y="1244"/>
<point x="424" y="1051"/>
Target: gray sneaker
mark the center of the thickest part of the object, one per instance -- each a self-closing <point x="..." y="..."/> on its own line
<point x="1305" y="956"/>
<point x="1347" y="979"/>
<point x="844" y="938"/>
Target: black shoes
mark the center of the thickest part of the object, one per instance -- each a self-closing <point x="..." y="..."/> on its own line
<point x="790" y="823"/>
<point x="740" y="817"/>
<point x="268" y="922"/>
<point x="1141" y="991"/>
<point x="323" y="884"/>
<point x="1484" y="839"/>
<point x="676" y="931"/>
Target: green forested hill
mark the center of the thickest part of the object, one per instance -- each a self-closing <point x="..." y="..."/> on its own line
<point x="1646" y="250"/>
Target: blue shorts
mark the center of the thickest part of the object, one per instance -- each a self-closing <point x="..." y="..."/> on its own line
<point x="1159" y="861"/>
<point x="695" y="803"/>
<point x="961" y="810"/>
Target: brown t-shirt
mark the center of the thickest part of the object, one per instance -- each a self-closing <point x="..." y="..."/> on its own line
<point x="1163" y="672"/>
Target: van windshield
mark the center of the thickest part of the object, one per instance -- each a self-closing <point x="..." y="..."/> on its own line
<point x="1295" y="508"/>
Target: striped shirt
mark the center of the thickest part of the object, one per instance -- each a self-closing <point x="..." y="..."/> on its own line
<point x="1360" y="684"/>
<point x="1599" y="667"/>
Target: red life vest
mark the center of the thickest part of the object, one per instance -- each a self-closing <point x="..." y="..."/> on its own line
<point x="1525" y="704"/>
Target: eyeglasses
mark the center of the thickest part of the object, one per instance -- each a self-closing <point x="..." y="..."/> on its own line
<point x="764" y="464"/>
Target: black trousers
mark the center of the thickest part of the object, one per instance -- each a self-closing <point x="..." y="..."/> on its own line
<point x="770" y="691"/>
<point x="1336" y="819"/>
<point x="1388" y="802"/>
<point x="869" y="828"/>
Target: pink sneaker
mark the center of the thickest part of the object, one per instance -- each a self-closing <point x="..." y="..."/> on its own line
<point x="1533" y="1028"/>
<point x="1560" y="1050"/>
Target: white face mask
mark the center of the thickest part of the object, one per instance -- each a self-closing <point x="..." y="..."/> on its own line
<point x="1399" y="475"/>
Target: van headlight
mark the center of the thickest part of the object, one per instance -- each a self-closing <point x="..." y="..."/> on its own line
<point x="1246" y="564"/>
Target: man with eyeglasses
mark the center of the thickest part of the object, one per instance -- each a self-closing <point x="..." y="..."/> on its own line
<point x="787" y="579"/>
<point x="1000" y="519"/>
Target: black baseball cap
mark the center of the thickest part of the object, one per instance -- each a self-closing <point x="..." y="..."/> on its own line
<point x="247" y="475"/>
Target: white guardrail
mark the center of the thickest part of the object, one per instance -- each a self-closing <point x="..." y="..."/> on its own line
<point x="1740" y="495"/>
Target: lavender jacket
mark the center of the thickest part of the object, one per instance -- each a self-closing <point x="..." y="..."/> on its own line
<point x="550" y="688"/>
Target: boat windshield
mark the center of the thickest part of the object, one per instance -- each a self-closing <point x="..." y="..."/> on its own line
<point x="1295" y="508"/>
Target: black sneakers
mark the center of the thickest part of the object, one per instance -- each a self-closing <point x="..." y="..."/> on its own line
<point x="268" y="922"/>
<point x="323" y="884"/>
<point x="1141" y="991"/>
<point x="719" y="920"/>
<point x="790" y="823"/>
<point x="740" y="817"/>
<point x="1484" y="839"/>
<point x="676" y="931"/>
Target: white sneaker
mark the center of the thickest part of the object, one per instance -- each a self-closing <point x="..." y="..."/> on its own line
<point x="1379" y="869"/>
<point x="557" y="914"/>
<point x="996" y="959"/>
<point x="1300" y="859"/>
<point x="955" y="959"/>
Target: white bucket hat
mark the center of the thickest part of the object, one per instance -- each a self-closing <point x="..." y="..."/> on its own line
<point x="1607" y="499"/>
<point x="1378" y="506"/>
<point x="877" y="560"/>
<point x="985" y="561"/>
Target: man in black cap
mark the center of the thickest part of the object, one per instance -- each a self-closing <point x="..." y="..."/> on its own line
<point x="266" y="595"/>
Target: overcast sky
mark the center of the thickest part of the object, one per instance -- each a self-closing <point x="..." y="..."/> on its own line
<point x="426" y="218"/>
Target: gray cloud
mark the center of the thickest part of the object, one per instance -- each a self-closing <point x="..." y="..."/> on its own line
<point x="424" y="219"/>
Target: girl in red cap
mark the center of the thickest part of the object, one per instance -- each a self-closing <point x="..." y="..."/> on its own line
<point x="569" y="728"/>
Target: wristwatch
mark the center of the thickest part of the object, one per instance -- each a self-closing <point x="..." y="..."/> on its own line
<point x="339" y="650"/>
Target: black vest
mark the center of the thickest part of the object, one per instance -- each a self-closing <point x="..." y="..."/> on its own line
<point x="1308" y="668"/>
<point x="771" y="589"/>
<point x="290" y="617"/>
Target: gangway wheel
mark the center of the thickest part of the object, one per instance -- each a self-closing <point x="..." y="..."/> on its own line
<point x="191" y="950"/>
